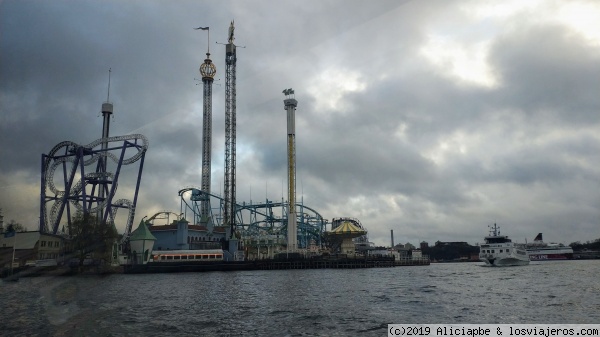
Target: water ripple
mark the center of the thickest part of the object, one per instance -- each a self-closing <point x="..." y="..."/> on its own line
<point x="299" y="302"/>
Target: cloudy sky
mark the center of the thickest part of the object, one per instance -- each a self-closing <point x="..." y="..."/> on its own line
<point x="431" y="118"/>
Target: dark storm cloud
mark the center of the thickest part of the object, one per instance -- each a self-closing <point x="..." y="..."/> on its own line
<point x="548" y="73"/>
<point x="381" y="133"/>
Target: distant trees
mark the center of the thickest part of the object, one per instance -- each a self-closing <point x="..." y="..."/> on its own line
<point x="589" y="245"/>
<point x="92" y="239"/>
<point x="17" y="226"/>
<point x="450" y="252"/>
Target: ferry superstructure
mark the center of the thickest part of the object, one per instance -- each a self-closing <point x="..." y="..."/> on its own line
<point x="499" y="251"/>
<point x="540" y="251"/>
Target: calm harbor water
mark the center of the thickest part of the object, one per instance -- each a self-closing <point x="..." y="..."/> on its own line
<point x="323" y="302"/>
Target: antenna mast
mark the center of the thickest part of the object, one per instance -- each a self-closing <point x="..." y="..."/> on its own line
<point x="108" y="91"/>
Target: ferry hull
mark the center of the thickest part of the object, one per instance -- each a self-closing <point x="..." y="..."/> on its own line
<point x="499" y="251"/>
<point x="538" y="250"/>
<point x="505" y="262"/>
<point x="550" y="257"/>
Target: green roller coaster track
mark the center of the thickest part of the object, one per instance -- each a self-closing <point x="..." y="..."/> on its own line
<point x="254" y="220"/>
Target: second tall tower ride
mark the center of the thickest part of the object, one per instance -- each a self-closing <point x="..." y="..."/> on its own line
<point x="229" y="207"/>
<point x="208" y="71"/>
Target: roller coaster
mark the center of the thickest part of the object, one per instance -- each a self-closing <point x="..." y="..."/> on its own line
<point x="69" y="187"/>
<point x="252" y="219"/>
<point x="78" y="189"/>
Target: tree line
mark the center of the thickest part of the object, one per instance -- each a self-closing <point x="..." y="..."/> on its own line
<point x="589" y="245"/>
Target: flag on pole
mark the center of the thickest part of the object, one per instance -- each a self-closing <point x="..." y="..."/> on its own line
<point x="10" y="232"/>
<point x="202" y="28"/>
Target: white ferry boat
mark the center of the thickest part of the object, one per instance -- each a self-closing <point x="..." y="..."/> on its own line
<point x="540" y="251"/>
<point x="499" y="251"/>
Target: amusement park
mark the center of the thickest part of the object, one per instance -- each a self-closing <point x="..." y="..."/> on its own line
<point x="209" y="231"/>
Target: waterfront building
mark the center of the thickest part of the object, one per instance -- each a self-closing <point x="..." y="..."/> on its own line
<point x="180" y="235"/>
<point x="30" y="248"/>
<point x="379" y="251"/>
<point x="264" y="247"/>
<point x="451" y="243"/>
<point x="400" y="251"/>
<point x="142" y="242"/>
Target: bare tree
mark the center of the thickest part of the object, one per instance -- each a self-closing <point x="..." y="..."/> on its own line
<point x="17" y="226"/>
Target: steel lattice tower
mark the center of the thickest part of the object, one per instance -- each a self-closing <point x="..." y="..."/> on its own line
<point x="230" y="126"/>
<point x="208" y="71"/>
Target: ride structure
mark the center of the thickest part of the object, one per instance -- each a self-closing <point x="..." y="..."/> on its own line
<point x="290" y="104"/>
<point x="230" y="132"/>
<point x="162" y="216"/>
<point x="257" y="221"/>
<point x="107" y="110"/>
<point x="79" y="189"/>
<point x="208" y="72"/>
<point x="292" y="224"/>
<point x="191" y="200"/>
<point x="337" y="222"/>
<point x="86" y="183"/>
<point x="342" y="237"/>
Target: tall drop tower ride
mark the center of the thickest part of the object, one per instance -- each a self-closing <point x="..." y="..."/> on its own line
<point x="107" y="111"/>
<point x="290" y="104"/>
<point x="208" y="71"/>
<point x="229" y="188"/>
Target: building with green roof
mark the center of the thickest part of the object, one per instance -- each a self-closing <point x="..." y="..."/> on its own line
<point x="142" y="242"/>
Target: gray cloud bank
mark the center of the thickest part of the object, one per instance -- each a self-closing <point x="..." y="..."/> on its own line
<point x="384" y="134"/>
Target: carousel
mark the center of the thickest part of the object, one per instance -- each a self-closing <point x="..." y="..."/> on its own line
<point x="344" y="235"/>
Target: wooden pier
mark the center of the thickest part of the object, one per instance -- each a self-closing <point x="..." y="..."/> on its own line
<point x="277" y="264"/>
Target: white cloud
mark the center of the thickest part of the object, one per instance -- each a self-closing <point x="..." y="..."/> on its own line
<point x="332" y="84"/>
<point x="456" y="144"/>
<point x="466" y="63"/>
<point x="583" y="18"/>
<point x="501" y="10"/>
